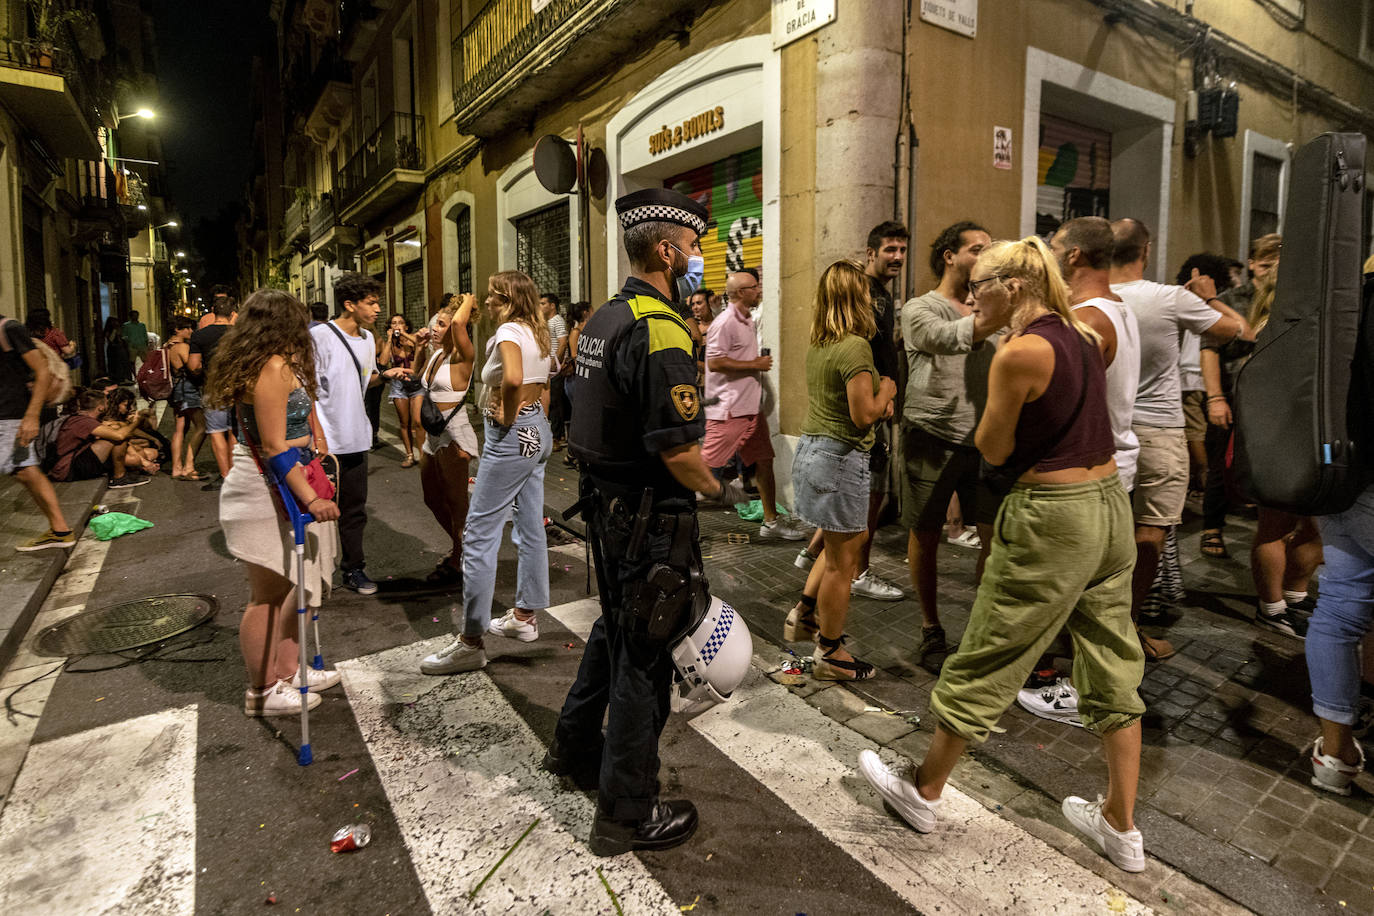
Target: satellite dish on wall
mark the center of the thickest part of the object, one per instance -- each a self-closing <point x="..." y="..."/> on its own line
<point x="555" y="164"/>
<point x="597" y="172"/>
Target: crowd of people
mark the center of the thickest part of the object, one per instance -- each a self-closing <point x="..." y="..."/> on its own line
<point x="1044" y="402"/>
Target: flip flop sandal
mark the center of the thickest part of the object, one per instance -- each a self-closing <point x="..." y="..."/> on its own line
<point x="1214" y="546"/>
<point x="443" y="574"/>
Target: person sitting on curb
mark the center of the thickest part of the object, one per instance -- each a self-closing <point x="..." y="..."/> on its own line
<point x="88" y="447"/>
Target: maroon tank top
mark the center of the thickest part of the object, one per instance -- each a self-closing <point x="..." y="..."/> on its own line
<point x="1088" y="441"/>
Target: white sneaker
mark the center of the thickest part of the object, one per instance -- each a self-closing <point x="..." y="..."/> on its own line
<point x="1125" y="850"/>
<point x="1332" y="773"/>
<point x="783" y="528"/>
<point x="456" y="657"/>
<point x="900" y="792"/>
<point x="967" y="538"/>
<point x="515" y="628"/>
<point x="804" y="560"/>
<point x="281" y="699"/>
<point x="1058" y="702"/>
<point x="871" y="586"/>
<point x="317" y="678"/>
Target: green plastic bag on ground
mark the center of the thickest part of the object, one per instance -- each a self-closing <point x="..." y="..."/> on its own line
<point x="752" y="511"/>
<point x="113" y="524"/>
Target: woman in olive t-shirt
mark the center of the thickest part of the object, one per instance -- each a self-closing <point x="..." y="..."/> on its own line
<point x="830" y="475"/>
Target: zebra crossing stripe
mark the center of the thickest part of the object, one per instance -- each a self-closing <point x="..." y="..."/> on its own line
<point x="105" y="819"/>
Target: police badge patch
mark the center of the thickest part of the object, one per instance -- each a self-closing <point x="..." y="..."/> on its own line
<point x="685" y="400"/>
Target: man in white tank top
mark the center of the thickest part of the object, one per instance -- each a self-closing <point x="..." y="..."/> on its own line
<point x="1083" y="247"/>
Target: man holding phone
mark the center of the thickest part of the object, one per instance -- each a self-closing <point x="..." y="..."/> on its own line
<point x="734" y="391"/>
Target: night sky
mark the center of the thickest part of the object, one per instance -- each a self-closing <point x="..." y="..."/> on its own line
<point x="205" y="113"/>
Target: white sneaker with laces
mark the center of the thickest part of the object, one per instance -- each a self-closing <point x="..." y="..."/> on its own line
<point x="456" y="657"/>
<point x="899" y="792"/>
<point x="1125" y="850"/>
<point x="1332" y="773"/>
<point x="783" y="528"/>
<point x="1058" y="702"/>
<point x="317" y="678"/>
<point x="870" y="585"/>
<point x="281" y="699"/>
<point x="511" y="626"/>
<point x="804" y="560"/>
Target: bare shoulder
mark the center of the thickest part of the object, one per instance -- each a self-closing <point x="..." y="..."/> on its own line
<point x="1025" y="352"/>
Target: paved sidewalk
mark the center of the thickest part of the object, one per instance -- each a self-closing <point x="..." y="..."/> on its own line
<point x="1224" y="794"/>
<point x="26" y="577"/>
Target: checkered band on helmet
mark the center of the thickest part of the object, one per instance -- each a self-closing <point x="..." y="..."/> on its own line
<point x="662" y="213"/>
<point x="716" y="639"/>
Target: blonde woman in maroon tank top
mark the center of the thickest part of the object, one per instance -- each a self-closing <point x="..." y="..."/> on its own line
<point x="1062" y="555"/>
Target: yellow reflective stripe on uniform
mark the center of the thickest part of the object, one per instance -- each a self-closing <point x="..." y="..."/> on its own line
<point x="667" y="330"/>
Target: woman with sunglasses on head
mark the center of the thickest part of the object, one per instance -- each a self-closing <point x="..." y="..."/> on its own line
<point x="398" y="352"/>
<point x="447" y="374"/>
<point x="1063" y="552"/>
<point x="830" y="473"/>
<point x="510" y="475"/>
<point x="265" y="367"/>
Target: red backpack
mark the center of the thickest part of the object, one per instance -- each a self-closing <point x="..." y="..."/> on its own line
<point x="155" y="378"/>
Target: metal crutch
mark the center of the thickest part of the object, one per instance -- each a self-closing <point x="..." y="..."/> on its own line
<point x="299" y="520"/>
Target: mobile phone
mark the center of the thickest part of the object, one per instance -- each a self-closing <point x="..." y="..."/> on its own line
<point x="766" y="351"/>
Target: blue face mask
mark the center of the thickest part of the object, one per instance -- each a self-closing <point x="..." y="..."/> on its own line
<point x="690" y="282"/>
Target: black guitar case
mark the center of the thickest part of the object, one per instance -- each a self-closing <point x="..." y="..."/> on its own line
<point x="1301" y="439"/>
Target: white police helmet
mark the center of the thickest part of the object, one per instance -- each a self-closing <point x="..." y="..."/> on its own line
<point x="711" y="658"/>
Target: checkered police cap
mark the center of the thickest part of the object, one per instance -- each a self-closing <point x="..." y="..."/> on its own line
<point x="661" y="205"/>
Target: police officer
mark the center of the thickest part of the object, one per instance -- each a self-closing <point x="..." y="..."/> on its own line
<point x="636" y="432"/>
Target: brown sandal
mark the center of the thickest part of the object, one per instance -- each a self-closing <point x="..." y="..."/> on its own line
<point x="801" y="625"/>
<point x="1214" y="546"/>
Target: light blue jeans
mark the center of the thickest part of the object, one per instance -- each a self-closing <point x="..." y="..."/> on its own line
<point x="509" y="476"/>
<point x="1344" y="611"/>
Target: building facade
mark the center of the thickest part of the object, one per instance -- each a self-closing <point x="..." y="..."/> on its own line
<point x="800" y="125"/>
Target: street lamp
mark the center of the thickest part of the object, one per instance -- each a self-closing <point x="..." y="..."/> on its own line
<point x="146" y="114"/>
<point x="181" y="254"/>
<point x="170" y="224"/>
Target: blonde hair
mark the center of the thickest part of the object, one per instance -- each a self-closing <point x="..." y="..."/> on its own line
<point x="522" y="306"/>
<point x="1263" y="299"/>
<point x="1031" y="261"/>
<point x="843" y="305"/>
<point x="1369" y="265"/>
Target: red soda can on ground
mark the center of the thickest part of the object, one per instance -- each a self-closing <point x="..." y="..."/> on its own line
<point x="354" y="836"/>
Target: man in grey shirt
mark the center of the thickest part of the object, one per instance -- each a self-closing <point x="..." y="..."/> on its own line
<point x="947" y="389"/>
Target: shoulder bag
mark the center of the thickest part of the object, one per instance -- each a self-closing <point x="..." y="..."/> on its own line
<point x="351" y="355"/>
<point x="432" y="419"/>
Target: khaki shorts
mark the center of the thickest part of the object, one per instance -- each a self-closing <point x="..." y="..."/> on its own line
<point x="1195" y="415"/>
<point x="935" y="471"/>
<point x="1161" y="480"/>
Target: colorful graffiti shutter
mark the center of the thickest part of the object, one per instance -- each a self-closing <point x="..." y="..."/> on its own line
<point x="732" y="190"/>
<point x="1075" y="173"/>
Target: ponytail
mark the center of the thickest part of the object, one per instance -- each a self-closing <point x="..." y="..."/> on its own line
<point x="1031" y="261"/>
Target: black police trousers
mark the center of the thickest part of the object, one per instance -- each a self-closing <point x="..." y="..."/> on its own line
<point x="623" y="672"/>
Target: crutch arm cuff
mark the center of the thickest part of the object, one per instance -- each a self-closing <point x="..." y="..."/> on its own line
<point x="281" y="464"/>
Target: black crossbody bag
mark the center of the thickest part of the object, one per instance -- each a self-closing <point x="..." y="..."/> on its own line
<point x="432" y="419"/>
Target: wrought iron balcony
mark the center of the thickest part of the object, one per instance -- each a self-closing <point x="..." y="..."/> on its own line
<point x="323" y="217"/>
<point x="42" y="84"/>
<point x="296" y="221"/>
<point x="509" y="60"/>
<point x="388" y="166"/>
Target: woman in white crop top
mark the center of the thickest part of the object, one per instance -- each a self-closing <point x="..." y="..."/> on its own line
<point x="510" y="475"/>
<point x="447" y="374"/>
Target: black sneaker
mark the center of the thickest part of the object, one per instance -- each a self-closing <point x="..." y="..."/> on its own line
<point x="1285" y="622"/>
<point x="934" y="649"/>
<point x="669" y="824"/>
<point x="1305" y="607"/>
<point x="357" y="580"/>
<point x="123" y="483"/>
<point x="582" y="770"/>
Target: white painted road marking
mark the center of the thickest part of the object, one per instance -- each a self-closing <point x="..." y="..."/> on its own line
<point x="105" y="821"/>
<point x="461" y="770"/>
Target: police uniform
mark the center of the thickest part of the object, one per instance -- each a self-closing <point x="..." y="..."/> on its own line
<point x="636" y="397"/>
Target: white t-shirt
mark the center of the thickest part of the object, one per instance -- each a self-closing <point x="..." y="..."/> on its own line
<point x="1123" y="381"/>
<point x="1164" y="312"/>
<point x="1190" y="363"/>
<point x="536" y="367"/>
<point x="339" y="401"/>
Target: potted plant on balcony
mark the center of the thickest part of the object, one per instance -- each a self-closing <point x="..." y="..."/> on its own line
<point x="49" y="16"/>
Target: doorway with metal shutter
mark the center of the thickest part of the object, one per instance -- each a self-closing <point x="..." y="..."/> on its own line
<point x="731" y="189"/>
<point x="543" y="249"/>
<point x="413" y="293"/>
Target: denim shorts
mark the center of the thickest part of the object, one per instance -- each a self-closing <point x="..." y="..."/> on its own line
<point x="830" y="483"/>
<point x="218" y="421"/>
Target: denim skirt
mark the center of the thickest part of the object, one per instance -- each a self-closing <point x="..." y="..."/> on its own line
<point x="830" y="483"/>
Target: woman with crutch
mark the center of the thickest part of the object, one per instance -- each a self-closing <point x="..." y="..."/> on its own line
<point x="265" y="367"/>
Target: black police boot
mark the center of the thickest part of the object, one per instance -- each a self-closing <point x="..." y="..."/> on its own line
<point x="582" y="769"/>
<point x="669" y="824"/>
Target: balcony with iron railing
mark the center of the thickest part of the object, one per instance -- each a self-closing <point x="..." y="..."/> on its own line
<point x="323" y="217"/>
<point x="387" y="167"/>
<point x="42" y="83"/>
<point x="509" y="59"/>
<point x="295" y="222"/>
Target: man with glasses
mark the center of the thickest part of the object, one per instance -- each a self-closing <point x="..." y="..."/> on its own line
<point x="948" y="357"/>
<point x="734" y="392"/>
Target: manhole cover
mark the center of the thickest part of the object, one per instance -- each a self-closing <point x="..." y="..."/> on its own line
<point x="125" y="626"/>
